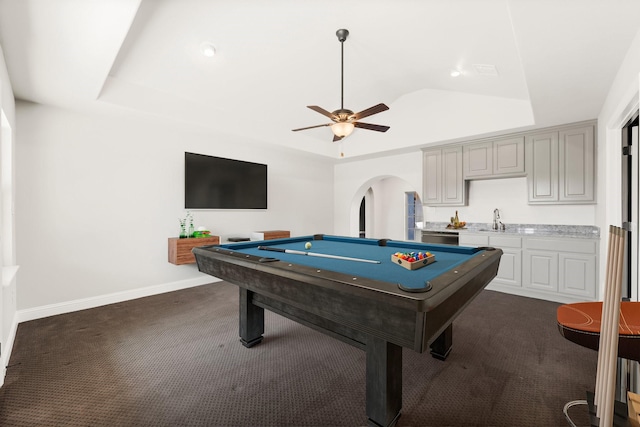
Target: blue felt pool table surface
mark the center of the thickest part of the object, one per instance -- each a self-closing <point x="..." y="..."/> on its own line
<point x="447" y="257"/>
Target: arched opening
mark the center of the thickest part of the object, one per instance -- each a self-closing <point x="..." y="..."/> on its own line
<point x="379" y="209"/>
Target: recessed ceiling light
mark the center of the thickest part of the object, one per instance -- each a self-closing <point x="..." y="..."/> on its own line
<point x="455" y="73"/>
<point x="208" y="50"/>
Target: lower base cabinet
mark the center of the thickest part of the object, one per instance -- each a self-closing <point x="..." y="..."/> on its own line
<point x="555" y="269"/>
<point x="566" y="268"/>
<point x="541" y="271"/>
<point x="577" y="275"/>
<point x="510" y="270"/>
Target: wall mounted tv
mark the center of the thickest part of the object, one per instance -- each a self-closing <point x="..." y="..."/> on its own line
<point x="218" y="183"/>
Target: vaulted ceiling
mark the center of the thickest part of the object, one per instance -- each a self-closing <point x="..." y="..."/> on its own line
<point x="523" y="64"/>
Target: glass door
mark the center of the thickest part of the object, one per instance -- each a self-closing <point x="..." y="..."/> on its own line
<point x="414" y="216"/>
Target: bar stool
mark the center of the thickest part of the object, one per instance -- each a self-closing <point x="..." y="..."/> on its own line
<point x="611" y="327"/>
<point x="581" y="323"/>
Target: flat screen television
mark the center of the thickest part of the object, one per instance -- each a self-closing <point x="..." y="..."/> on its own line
<point x="219" y="183"/>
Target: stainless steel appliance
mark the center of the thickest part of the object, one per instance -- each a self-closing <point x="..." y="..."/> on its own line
<point x="441" y="237"/>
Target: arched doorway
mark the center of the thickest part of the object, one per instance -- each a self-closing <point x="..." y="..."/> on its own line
<point x="379" y="209"/>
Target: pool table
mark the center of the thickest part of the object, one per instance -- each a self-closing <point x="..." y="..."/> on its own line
<point x="351" y="289"/>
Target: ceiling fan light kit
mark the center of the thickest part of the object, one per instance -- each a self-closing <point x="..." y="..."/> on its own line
<point x="342" y="129"/>
<point x="345" y="121"/>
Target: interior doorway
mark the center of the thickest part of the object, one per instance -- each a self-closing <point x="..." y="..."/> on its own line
<point x="630" y="204"/>
<point x="365" y="216"/>
<point x="628" y="372"/>
<point x="363" y="219"/>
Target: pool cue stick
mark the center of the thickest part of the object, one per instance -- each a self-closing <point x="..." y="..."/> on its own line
<point x="294" y="252"/>
<point x="604" y="326"/>
<point x="609" y="395"/>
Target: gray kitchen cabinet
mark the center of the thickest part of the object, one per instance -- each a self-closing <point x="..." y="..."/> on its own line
<point x="541" y="270"/>
<point x="432" y="177"/>
<point x="508" y="157"/>
<point x="510" y="269"/>
<point x="478" y="160"/>
<point x="443" y="183"/>
<point x="560" y="166"/>
<point x="494" y="159"/>
<point x="561" y="269"/>
<point x="473" y="239"/>
<point x="577" y="275"/>
<point x="542" y="167"/>
<point x="576" y="165"/>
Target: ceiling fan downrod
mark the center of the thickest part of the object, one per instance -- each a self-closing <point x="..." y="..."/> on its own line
<point x="342" y="36"/>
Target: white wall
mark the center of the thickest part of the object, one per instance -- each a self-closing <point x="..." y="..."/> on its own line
<point x="6" y="92"/>
<point x="8" y="320"/>
<point x="98" y="196"/>
<point x="622" y="100"/>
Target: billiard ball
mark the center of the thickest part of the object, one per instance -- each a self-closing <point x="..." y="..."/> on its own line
<point x="307" y="245"/>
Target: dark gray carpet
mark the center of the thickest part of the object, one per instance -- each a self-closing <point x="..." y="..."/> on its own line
<point x="175" y="360"/>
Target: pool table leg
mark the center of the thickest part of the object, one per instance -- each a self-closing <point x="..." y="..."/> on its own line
<point x="441" y="347"/>
<point x="251" y="320"/>
<point x="384" y="382"/>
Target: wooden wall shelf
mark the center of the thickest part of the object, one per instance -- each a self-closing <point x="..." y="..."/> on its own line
<point x="180" y="249"/>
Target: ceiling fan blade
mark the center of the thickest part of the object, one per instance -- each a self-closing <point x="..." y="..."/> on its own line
<point x="322" y="111"/>
<point x="370" y="111"/>
<point x="311" y="127"/>
<point x="369" y="126"/>
<point x="337" y="138"/>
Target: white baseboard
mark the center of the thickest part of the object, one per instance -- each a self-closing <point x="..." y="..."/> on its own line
<point x="85" y="303"/>
<point x="7" y="347"/>
<point x="523" y="292"/>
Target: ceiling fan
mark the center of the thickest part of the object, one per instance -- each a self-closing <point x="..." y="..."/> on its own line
<point x="343" y="120"/>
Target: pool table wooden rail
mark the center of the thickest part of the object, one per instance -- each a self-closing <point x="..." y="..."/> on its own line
<point x="352" y="309"/>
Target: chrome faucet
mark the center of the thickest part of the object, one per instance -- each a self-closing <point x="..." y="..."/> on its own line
<point x="496" y="217"/>
<point x="496" y="221"/>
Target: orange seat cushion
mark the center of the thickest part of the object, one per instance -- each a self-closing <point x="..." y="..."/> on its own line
<point x="580" y="323"/>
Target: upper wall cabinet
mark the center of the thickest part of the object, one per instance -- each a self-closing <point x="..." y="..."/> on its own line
<point x="560" y="166"/>
<point x="494" y="159"/>
<point x="443" y="183"/>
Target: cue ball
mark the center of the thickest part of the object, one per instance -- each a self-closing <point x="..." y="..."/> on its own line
<point x="307" y="245"/>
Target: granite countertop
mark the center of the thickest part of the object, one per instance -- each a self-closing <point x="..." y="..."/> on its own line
<point x="542" y="230"/>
